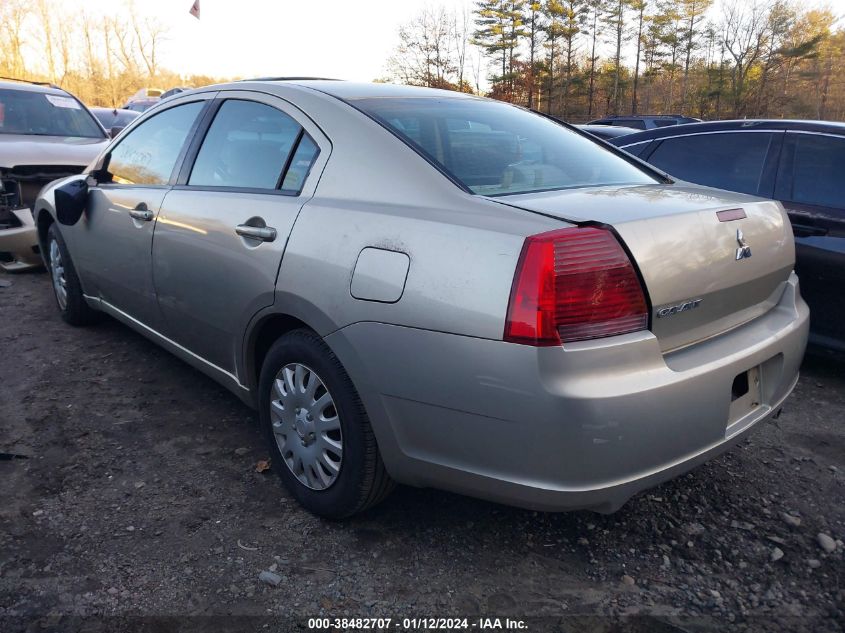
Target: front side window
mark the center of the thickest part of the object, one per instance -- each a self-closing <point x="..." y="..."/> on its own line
<point x="247" y="146"/>
<point x="148" y="154"/>
<point x="819" y="169"/>
<point x="44" y="114"/>
<point x="493" y="148"/>
<point x="732" y="160"/>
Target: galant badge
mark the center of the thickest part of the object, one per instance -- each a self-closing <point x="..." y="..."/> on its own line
<point x="689" y="304"/>
<point x="744" y="250"/>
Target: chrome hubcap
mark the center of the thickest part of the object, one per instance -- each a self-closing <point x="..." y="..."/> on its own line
<point x="306" y="426"/>
<point x="57" y="271"/>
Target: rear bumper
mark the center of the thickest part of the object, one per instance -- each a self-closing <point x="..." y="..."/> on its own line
<point x="586" y="425"/>
<point x="19" y="244"/>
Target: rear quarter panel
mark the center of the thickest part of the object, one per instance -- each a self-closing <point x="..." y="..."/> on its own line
<point x="377" y="192"/>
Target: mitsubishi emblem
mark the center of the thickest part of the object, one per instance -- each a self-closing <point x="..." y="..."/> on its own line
<point x="744" y="250"/>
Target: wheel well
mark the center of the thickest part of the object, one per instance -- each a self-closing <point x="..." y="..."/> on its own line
<point x="262" y="338"/>
<point x="43" y="222"/>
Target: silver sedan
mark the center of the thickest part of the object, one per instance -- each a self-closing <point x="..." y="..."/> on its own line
<point x="429" y="288"/>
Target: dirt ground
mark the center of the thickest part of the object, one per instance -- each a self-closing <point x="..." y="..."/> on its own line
<point x="138" y="498"/>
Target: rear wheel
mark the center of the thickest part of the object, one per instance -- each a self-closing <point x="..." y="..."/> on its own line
<point x="319" y="436"/>
<point x="66" y="286"/>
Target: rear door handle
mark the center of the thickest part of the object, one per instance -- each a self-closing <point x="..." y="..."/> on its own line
<point x="261" y="233"/>
<point x="141" y="212"/>
<point x="802" y="230"/>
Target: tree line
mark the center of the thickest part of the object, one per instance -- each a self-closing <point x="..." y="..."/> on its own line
<point x="102" y="59"/>
<point x="576" y="59"/>
<point x="583" y="59"/>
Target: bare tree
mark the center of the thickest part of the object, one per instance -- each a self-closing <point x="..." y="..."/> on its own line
<point x="461" y="36"/>
<point x="744" y="37"/>
<point x="149" y="34"/>
<point x="13" y="17"/>
<point x="426" y="54"/>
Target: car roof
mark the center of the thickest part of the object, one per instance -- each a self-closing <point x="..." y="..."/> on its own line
<point x="647" y="116"/>
<point x="27" y="86"/>
<point x="114" y="110"/>
<point x="738" y="124"/>
<point x="351" y="89"/>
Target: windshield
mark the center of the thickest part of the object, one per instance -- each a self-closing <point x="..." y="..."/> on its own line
<point x="493" y="148"/>
<point x="44" y="114"/>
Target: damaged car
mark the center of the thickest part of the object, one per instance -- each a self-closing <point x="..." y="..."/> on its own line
<point x="425" y="287"/>
<point x="45" y="134"/>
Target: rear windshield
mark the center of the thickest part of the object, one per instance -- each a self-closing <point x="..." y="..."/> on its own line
<point x="494" y="149"/>
<point x="44" y="114"/>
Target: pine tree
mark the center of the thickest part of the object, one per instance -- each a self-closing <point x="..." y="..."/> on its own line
<point x="692" y="13"/>
<point x="616" y="21"/>
<point x="534" y="26"/>
<point x="597" y="10"/>
<point x="500" y="27"/>
<point x="492" y="34"/>
<point x="553" y="27"/>
<point x="574" y="16"/>
<point x="639" y="6"/>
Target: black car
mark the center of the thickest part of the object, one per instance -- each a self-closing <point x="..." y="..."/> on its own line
<point x="114" y="117"/>
<point x="606" y="132"/>
<point x="801" y="164"/>
<point x="645" y="121"/>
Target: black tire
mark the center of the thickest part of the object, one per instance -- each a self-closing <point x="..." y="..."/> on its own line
<point x="75" y="311"/>
<point x="362" y="481"/>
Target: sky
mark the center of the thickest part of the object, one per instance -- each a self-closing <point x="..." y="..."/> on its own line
<point x="342" y="39"/>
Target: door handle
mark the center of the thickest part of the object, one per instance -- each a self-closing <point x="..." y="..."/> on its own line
<point x="261" y="233"/>
<point x="141" y="212"/>
<point x="802" y="230"/>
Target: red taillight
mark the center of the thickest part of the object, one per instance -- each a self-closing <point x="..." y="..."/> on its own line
<point x="573" y="284"/>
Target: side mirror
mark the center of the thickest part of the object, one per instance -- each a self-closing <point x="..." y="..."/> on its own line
<point x="100" y="171"/>
<point x="117" y="129"/>
<point x="71" y="199"/>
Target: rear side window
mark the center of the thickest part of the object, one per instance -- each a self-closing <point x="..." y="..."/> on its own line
<point x="300" y="164"/>
<point x="247" y="146"/>
<point x="636" y="149"/>
<point x="147" y="155"/>
<point x="493" y="148"/>
<point x="819" y="167"/>
<point x="664" y="122"/>
<point x="732" y="161"/>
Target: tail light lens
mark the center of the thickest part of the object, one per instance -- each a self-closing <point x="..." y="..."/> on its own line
<point x="571" y="285"/>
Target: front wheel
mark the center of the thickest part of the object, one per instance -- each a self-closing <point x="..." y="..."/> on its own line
<point x="319" y="436"/>
<point x="66" y="286"/>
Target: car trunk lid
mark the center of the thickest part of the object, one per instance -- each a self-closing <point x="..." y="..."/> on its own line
<point x="685" y="239"/>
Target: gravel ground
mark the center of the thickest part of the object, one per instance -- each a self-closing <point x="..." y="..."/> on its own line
<point x="139" y="496"/>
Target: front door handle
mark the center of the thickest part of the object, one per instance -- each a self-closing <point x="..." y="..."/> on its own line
<point x="141" y="212"/>
<point x="261" y="233"/>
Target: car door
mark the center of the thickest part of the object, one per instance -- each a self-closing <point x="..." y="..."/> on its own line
<point x="811" y="186"/>
<point x="115" y="240"/>
<point x="222" y="230"/>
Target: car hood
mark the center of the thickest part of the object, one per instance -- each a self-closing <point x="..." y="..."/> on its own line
<point x="21" y="149"/>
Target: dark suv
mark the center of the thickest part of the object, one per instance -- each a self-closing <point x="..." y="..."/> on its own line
<point x="645" y="121"/>
<point x="801" y="164"/>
